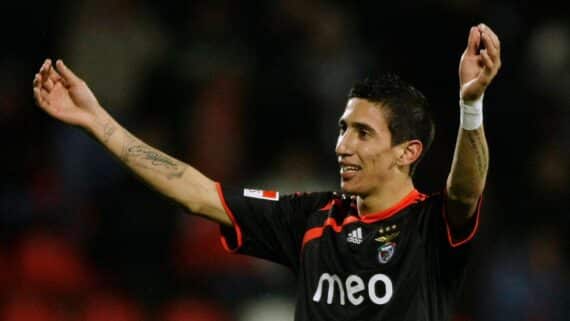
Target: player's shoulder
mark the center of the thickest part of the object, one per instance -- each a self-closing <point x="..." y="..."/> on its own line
<point x="319" y="196"/>
<point x="425" y="200"/>
<point x="315" y="200"/>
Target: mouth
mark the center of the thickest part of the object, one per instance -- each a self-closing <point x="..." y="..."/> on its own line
<point x="349" y="171"/>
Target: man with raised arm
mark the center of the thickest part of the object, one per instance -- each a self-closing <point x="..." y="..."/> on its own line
<point x="380" y="249"/>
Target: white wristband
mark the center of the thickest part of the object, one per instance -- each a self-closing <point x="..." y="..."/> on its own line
<point x="471" y="113"/>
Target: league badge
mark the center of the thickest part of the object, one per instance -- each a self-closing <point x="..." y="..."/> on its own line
<point x="386" y="251"/>
<point x="261" y="194"/>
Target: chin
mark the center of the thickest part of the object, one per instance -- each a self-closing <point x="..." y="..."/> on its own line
<point x="348" y="189"/>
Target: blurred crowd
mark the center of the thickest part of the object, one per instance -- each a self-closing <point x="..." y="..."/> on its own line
<point x="249" y="92"/>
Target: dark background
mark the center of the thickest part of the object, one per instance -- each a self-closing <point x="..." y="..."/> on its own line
<point x="249" y="92"/>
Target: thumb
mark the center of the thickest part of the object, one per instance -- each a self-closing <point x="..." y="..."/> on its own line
<point x="68" y="75"/>
<point x="473" y="41"/>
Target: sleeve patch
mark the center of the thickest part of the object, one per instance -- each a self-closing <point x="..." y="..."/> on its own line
<point x="261" y="194"/>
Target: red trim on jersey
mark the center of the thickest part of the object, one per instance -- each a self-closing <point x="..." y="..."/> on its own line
<point x="316" y="232"/>
<point x="413" y="197"/>
<point x="328" y="206"/>
<point x="350" y="219"/>
<point x="312" y="234"/>
<point x="456" y="243"/>
<point x="234" y="223"/>
<point x="331" y="222"/>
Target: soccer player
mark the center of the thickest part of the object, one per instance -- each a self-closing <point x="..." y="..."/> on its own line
<point x="380" y="250"/>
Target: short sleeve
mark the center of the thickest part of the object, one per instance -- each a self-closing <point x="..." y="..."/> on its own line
<point x="448" y="250"/>
<point x="267" y="225"/>
<point x="436" y="224"/>
<point x="456" y="238"/>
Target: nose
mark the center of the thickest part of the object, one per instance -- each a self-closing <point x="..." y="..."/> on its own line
<point x="343" y="145"/>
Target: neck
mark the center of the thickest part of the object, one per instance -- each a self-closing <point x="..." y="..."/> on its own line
<point x="385" y="196"/>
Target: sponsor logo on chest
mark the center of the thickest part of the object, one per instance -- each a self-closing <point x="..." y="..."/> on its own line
<point x="378" y="289"/>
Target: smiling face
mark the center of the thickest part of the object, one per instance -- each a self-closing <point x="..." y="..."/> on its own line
<point x="364" y="148"/>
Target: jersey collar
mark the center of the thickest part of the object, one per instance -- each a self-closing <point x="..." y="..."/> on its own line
<point x="413" y="197"/>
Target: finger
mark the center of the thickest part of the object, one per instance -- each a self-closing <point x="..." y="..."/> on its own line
<point x="40" y="100"/>
<point x="489" y="69"/>
<point x="486" y="59"/>
<point x="496" y="55"/>
<point x="42" y="79"/>
<point x="492" y="34"/>
<point x="490" y="44"/>
<point x="44" y="70"/>
<point x="490" y="48"/>
<point x="37" y="94"/>
<point x="66" y="73"/>
<point x="54" y="75"/>
<point x="36" y="80"/>
<point x="43" y="65"/>
<point x="44" y="94"/>
<point x="473" y="41"/>
<point x="39" y="83"/>
<point x="47" y="84"/>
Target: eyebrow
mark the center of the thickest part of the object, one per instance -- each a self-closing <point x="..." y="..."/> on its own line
<point x="364" y="126"/>
<point x="357" y="125"/>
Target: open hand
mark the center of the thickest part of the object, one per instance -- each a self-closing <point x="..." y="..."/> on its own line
<point x="479" y="63"/>
<point x="63" y="95"/>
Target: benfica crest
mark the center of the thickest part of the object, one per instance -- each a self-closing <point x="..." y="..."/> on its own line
<point x="386" y="251"/>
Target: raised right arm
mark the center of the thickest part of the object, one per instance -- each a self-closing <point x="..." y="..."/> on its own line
<point x="64" y="96"/>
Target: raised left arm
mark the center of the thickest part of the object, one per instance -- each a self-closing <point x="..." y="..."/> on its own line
<point x="479" y="64"/>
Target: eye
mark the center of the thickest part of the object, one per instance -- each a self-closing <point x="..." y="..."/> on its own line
<point x="341" y="128"/>
<point x="363" y="133"/>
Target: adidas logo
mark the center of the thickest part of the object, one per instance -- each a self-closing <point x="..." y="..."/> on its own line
<point x="355" y="236"/>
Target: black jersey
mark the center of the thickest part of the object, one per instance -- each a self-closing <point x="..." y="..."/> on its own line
<point x="400" y="264"/>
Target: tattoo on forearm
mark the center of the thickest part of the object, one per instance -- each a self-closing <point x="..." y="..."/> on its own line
<point x="481" y="157"/>
<point x="129" y="140"/>
<point x="108" y="131"/>
<point x="142" y="155"/>
<point x="156" y="158"/>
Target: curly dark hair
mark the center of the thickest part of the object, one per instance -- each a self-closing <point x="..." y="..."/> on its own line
<point x="406" y="109"/>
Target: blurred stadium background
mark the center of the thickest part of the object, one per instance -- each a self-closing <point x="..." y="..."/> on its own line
<point x="249" y="92"/>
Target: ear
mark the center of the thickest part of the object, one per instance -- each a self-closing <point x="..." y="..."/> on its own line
<point x="409" y="152"/>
